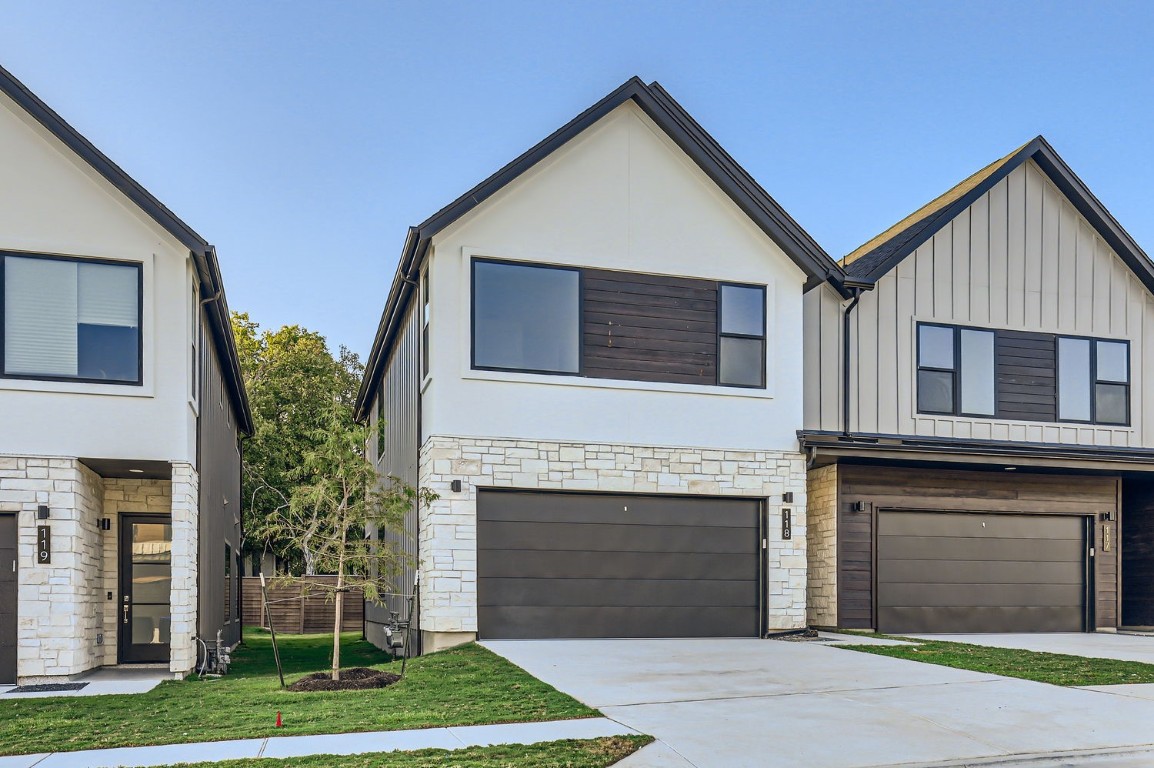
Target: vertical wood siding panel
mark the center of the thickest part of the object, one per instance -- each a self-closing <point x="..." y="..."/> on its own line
<point x="1035" y="189"/>
<point x="1103" y="274"/>
<point x="1135" y="303"/>
<point x="943" y="273"/>
<point x="1084" y="290"/>
<point x="1143" y="365"/>
<point x="811" y="358"/>
<point x="1119" y="296"/>
<point x="887" y="349"/>
<point x="906" y="367"/>
<point x="999" y="271"/>
<point x="979" y="278"/>
<point x="1067" y="300"/>
<point x="1016" y="248"/>
<point x="1051" y="259"/>
<point x="924" y="280"/>
<point x="960" y="262"/>
<point x="866" y="330"/>
<point x="831" y="359"/>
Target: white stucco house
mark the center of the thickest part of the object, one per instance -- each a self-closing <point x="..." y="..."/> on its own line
<point x="121" y="402"/>
<point x="594" y="358"/>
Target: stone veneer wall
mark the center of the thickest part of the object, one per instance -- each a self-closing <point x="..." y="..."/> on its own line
<point x="185" y="546"/>
<point x="125" y="496"/>
<point x="822" y="547"/>
<point x="59" y="612"/>
<point x="448" y="527"/>
<point x="66" y="623"/>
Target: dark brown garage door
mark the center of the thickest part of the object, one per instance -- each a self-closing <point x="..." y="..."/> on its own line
<point x="963" y="572"/>
<point x="597" y="565"/>
<point x="7" y="598"/>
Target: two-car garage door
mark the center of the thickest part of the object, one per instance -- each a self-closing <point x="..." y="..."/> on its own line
<point x="981" y="572"/>
<point x="553" y="564"/>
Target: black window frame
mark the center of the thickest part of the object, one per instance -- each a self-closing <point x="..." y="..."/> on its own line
<point x="1094" y="380"/>
<point x="722" y="335"/>
<point x="955" y="372"/>
<point x="426" y="294"/>
<point x="531" y="265"/>
<point x="139" y="266"/>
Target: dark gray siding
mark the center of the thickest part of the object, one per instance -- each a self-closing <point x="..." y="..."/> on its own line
<point x="8" y="593"/>
<point x="400" y="388"/>
<point x="1026" y="370"/>
<point x="649" y="327"/>
<point x="218" y="463"/>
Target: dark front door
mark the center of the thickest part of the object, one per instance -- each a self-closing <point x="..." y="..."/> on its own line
<point x="145" y="582"/>
<point x="8" y="594"/>
<point x="599" y="565"/>
<point x="978" y="572"/>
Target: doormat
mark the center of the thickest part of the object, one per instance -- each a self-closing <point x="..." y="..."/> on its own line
<point x="48" y="688"/>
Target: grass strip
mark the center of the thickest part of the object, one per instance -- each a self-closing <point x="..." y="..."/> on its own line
<point x="586" y="753"/>
<point x="1053" y="668"/>
<point x="462" y="686"/>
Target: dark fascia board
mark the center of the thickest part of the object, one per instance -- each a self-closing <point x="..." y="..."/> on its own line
<point x="204" y="254"/>
<point x="689" y="136"/>
<point x="866" y="443"/>
<point x="1067" y="181"/>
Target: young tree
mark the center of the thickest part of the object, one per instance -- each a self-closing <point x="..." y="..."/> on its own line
<point x="337" y="502"/>
<point x="291" y="378"/>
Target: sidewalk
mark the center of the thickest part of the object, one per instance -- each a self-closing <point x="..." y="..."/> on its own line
<point x="455" y="737"/>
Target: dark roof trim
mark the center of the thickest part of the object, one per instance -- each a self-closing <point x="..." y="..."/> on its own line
<point x="204" y="254"/>
<point x="1063" y="177"/>
<point x="754" y="201"/>
<point x="939" y="447"/>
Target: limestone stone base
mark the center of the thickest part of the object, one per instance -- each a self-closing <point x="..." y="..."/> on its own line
<point x="448" y="527"/>
<point x="439" y="641"/>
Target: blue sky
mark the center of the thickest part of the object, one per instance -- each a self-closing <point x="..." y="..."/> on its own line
<point x="302" y="138"/>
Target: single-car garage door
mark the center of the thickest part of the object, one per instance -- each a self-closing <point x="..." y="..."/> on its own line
<point x="976" y="572"/>
<point x="555" y="564"/>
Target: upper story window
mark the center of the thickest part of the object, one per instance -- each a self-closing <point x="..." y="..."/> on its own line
<point x="426" y="306"/>
<point x="1093" y="380"/>
<point x="526" y="318"/>
<point x="955" y="370"/>
<point x="741" y="336"/>
<point x="1022" y="375"/>
<point x="618" y="325"/>
<point x="71" y="319"/>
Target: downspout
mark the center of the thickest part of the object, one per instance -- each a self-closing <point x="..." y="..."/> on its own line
<point x="845" y="360"/>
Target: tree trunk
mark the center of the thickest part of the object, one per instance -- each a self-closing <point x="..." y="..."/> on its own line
<point x="340" y="607"/>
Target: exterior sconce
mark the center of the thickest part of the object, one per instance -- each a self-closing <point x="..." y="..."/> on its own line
<point x="42" y="512"/>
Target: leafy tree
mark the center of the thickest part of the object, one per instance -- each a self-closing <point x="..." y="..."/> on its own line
<point x="337" y="503"/>
<point x="295" y="387"/>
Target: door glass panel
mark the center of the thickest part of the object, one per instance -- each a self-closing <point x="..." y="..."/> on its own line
<point x="151" y="624"/>
<point x="151" y="543"/>
<point x="151" y="582"/>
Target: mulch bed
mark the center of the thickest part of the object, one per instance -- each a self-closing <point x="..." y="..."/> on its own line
<point x="356" y="679"/>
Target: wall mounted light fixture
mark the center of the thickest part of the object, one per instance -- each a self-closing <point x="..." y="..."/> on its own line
<point x="42" y="512"/>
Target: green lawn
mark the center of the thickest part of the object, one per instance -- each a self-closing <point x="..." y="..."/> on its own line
<point x="463" y="686"/>
<point x="1054" y="668"/>
<point x="592" y="753"/>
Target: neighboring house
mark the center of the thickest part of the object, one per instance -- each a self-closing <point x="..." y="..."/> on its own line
<point x="120" y="406"/>
<point x="992" y="472"/>
<point x="594" y="358"/>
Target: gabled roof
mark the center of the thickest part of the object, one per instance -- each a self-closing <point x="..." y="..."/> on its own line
<point x="203" y="254"/>
<point x="702" y="148"/>
<point x="868" y="263"/>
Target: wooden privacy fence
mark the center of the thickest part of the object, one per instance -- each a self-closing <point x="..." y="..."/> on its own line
<point x="298" y="607"/>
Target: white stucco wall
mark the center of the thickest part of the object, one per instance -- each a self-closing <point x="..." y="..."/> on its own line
<point x="52" y="202"/>
<point x="620" y="196"/>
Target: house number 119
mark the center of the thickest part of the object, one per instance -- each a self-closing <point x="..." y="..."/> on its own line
<point x="43" y="544"/>
<point x="1106" y="537"/>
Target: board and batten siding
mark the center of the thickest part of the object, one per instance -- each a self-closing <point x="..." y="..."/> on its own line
<point x="400" y="388"/>
<point x="1020" y="258"/>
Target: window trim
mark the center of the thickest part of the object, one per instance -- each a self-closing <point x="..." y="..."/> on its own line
<point x="580" y="372"/>
<point x="138" y="265"/>
<point x="762" y="338"/>
<point x="955" y="372"/>
<point x="1094" y="381"/>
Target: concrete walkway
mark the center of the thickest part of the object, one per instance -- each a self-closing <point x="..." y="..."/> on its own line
<point x="734" y="703"/>
<point x="335" y="744"/>
<point x="103" y="682"/>
<point x="1096" y="645"/>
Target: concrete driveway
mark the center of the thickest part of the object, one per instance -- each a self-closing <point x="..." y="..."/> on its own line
<point x="740" y="703"/>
